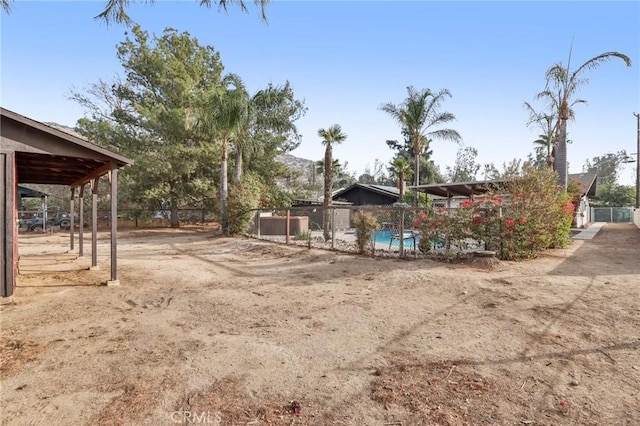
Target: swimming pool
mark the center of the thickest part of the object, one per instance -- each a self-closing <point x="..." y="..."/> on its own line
<point x="383" y="239"/>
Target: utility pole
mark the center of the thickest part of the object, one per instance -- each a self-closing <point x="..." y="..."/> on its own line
<point x="638" y="163"/>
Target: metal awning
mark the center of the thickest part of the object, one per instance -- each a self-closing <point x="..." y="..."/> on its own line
<point x="457" y="189"/>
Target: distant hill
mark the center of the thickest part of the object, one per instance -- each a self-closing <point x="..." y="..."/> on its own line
<point x="305" y="167"/>
<point x="65" y="129"/>
<point x="308" y="178"/>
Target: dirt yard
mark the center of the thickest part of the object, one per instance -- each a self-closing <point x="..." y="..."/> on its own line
<point x="207" y="330"/>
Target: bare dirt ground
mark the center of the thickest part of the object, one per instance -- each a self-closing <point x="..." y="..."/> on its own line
<point x="235" y="331"/>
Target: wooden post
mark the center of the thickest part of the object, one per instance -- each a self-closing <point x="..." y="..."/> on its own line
<point x="71" y="218"/>
<point x="8" y="251"/>
<point x="114" y="225"/>
<point x="333" y="228"/>
<point x="94" y="223"/>
<point x="401" y="254"/>
<point x="288" y="227"/>
<point x="45" y="207"/>
<point x="81" y="220"/>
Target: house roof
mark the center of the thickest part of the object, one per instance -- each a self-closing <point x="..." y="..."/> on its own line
<point x="588" y="182"/>
<point x="24" y="192"/>
<point x="389" y="191"/>
<point x="302" y="203"/>
<point x="465" y="189"/>
<point x="47" y="155"/>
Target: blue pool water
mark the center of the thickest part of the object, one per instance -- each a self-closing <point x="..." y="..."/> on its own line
<point x="383" y="237"/>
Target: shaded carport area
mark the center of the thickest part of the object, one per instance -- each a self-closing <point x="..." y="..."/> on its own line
<point x="460" y="189"/>
<point x="33" y="153"/>
<point x="24" y="192"/>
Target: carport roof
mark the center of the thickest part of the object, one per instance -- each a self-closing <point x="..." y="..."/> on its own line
<point x="587" y="183"/>
<point x="47" y="155"/>
<point x="466" y="189"/>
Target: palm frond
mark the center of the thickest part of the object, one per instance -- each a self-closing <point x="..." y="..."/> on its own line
<point x="333" y="134"/>
<point x="596" y="61"/>
<point x="115" y="10"/>
<point x="446" y="134"/>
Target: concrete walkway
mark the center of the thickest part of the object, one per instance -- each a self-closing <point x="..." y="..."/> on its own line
<point x="590" y="232"/>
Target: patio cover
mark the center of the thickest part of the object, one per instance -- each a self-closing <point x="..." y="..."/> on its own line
<point x="33" y="152"/>
<point x="456" y="189"/>
<point x="587" y="182"/>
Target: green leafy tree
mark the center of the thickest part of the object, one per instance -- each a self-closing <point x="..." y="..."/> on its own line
<point x="562" y="85"/>
<point x="374" y="175"/>
<point x="612" y="194"/>
<point x="465" y="168"/>
<point x="429" y="170"/>
<point x="420" y="117"/>
<point x="607" y="166"/>
<point x="220" y="118"/>
<point x="400" y="168"/>
<point x="490" y="172"/>
<point x="148" y="115"/>
<point x="341" y="177"/>
<point x="268" y="130"/>
<point x="330" y="136"/>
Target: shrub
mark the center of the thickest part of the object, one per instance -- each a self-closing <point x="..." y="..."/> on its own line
<point x="303" y="236"/>
<point x="243" y="197"/>
<point x="537" y="217"/>
<point x="546" y="209"/>
<point x="365" y="223"/>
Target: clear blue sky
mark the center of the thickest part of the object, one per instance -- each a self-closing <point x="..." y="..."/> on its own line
<point x="347" y="58"/>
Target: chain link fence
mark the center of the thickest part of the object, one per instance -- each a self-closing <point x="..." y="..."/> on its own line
<point x="612" y="214"/>
<point x="398" y="233"/>
<point x="59" y="220"/>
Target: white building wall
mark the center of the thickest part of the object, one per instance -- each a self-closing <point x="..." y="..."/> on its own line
<point x="583" y="213"/>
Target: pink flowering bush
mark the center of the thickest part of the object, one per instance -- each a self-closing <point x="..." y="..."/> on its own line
<point x="536" y="217"/>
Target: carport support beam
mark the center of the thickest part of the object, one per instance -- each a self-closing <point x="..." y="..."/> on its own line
<point x="94" y="223"/>
<point x="81" y="220"/>
<point x="45" y="207"/>
<point x="71" y="217"/>
<point x="8" y="251"/>
<point x="114" y="226"/>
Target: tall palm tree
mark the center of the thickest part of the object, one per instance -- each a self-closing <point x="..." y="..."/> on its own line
<point x="545" y="147"/>
<point x="402" y="169"/>
<point x="270" y="115"/>
<point x="548" y="123"/>
<point x="562" y="84"/>
<point x="419" y="116"/>
<point x="336" y="167"/>
<point x="330" y="136"/>
<point x="221" y="117"/>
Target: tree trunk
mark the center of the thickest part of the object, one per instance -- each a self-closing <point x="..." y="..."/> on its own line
<point x="175" y="220"/>
<point x="560" y="158"/>
<point x="237" y="171"/>
<point x="224" y="191"/>
<point x="328" y="172"/>
<point x="416" y="159"/>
